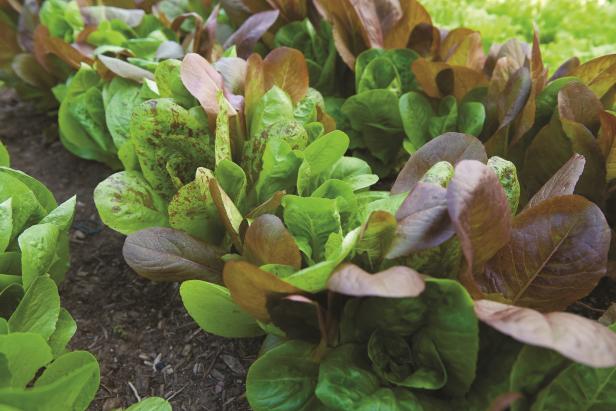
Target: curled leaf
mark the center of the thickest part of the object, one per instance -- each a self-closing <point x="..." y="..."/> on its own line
<point x="479" y="211"/>
<point x="395" y="282"/>
<point x="203" y="81"/>
<point x="246" y="36"/>
<point x="451" y="147"/>
<point x="577" y="338"/>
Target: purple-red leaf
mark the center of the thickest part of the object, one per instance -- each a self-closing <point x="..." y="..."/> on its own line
<point x="423" y="221"/>
<point x="251" y="31"/>
<point x="451" y="147"/>
<point x="557" y="255"/>
<point x="561" y="183"/>
<point x="577" y="338"/>
<point x="203" y="81"/>
<point x="165" y="254"/>
<point x="480" y="213"/>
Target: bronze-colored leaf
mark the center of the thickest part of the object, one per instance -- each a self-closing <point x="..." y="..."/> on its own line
<point x="607" y="143"/>
<point x="229" y="214"/>
<point x="577" y="338"/>
<point x="395" y="282"/>
<point x="557" y="255"/>
<point x="423" y="221"/>
<point x="480" y="213"/>
<point x="462" y="47"/>
<point x="254" y="85"/>
<point x="203" y="81"/>
<point x="286" y="68"/>
<point x="349" y="32"/>
<point x="413" y="15"/>
<point x="45" y="44"/>
<point x="165" y="254"/>
<point x="598" y="74"/>
<point x="561" y="183"/>
<point x="267" y="241"/>
<point x="451" y="147"/>
<point x="251" y="287"/>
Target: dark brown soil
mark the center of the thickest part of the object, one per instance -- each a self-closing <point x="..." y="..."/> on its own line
<point x="138" y="330"/>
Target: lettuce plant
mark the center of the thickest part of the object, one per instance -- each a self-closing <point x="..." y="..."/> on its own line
<point x="387" y="344"/>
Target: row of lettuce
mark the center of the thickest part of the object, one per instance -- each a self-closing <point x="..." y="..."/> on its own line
<point x="37" y="371"/>
<point x="403" y="216"/>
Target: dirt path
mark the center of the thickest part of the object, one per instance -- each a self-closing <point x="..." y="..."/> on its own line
<point x="138" y="330"/>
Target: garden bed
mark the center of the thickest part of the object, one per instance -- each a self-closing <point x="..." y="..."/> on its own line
<point x="138" y="330"/>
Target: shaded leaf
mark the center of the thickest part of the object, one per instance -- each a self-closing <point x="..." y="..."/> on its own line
<point x="561" y="183"/>
<point x="251" y="287"/>
<point x="479" y="211"/>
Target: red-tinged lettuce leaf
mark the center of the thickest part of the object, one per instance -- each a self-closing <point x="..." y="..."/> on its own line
<point x="350" y="33"/>
<point x="450" y="147"/>
<point x="607" y="143"/>
<point x="254" y="84"/>
<point x="423" y="221"/>
<point x="395" y="282"/>
<point x="510" y="105"/>
<point x="438" y="79"/>
<point x="165" y="254"/>
<point x="45" y="44"/>
<point x="480" y="213"/>
<point x="561" y="183"/>
<point x="267" y="241"/>
<point x="579" y="339"/>
<point x="248" y="34"/>
<point x="252" y="288"/>
<point x="286" y="68"/>
<point x="125" y="70"/>
<point x="557" y="255"/>
<point x="462" y="47"/>
<point x="398" y="33"/>
<point x="203" y="81"/>
<point x="566" y="69"/>
<point x="598" y="74"/>
<point x="579" y="111"/>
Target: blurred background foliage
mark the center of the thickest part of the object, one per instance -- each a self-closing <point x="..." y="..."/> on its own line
<point x="582" y="28"/>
